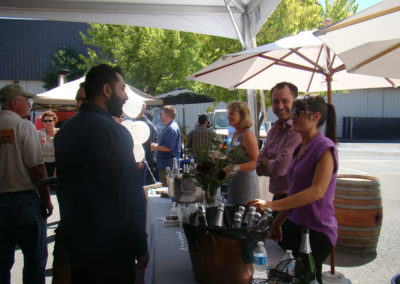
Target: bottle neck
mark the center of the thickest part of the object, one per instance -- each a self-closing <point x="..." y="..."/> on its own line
<point x="305" y="244"/>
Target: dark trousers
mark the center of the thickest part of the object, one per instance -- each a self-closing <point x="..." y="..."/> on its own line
<point x="61" y="260"/>
<point x="102" y="270"/>
<point x="50" y="167"/>
<point x="320" y="244"/>
<point x="21" y="224"/>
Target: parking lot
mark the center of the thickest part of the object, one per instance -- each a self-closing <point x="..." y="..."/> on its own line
<point x="381" y="160"/>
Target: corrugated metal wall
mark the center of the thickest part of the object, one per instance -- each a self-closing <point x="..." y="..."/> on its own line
<point x="34" y="87"/>
<point x="27" y="46"/>
<point x="355" y="103"/>
<point x="366" y="103"/>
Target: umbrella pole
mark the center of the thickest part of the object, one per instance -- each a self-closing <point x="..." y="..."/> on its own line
<point x="183" y="112"/>
<point x="329" y="85"/>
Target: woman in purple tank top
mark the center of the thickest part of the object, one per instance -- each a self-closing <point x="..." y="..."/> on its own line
<point x="312" y="181"/>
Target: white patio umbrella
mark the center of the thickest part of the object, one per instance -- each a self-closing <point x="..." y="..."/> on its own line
<point x="62" y="98"/>
<point x="369" y="41"/>
<point x="302" y="59"/>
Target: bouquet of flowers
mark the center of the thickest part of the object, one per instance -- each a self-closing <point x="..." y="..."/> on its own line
<point x="209" y="173"/>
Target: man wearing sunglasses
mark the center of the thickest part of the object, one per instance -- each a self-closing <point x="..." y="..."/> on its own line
<point x="277" y="152"/>
<point x="102" y="206"/>
<point x="23" y="211"/>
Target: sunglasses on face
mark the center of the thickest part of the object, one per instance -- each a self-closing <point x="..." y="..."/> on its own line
<point x="296" y="112"/>
<point x="47" y="121"/>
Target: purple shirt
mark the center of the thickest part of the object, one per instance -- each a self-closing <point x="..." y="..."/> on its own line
<point x="318" y="215"/>
<point x="278" y="148"/>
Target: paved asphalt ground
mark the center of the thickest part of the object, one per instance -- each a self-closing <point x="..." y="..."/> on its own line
<point x="381" y="160"/>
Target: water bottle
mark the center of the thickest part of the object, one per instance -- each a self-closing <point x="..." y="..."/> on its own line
<point x="175" y="169"/>
<point x="186" y="173"/>
<point x="241" y="210"/>
<point x="288" y="263"/>
<point x="219" y="218"/>
<point x="256" y="219"/>
<point x="260" y="261"/>
<point x="305" y="266"/>
<point x="169" y="173"/>
<point x="250" y="213"/>
<point x="237" y="221"/>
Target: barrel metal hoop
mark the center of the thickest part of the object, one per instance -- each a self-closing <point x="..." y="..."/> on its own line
<point x="360" y="229"/>
<point x="357" y="197"/>
<point x="355" y="245"/>
<point x="362" y="189"/>
<point x="358" y="207"/>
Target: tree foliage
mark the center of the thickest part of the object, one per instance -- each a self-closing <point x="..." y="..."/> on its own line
<point x="157" y="61"/>
<point x="66" y="58"/>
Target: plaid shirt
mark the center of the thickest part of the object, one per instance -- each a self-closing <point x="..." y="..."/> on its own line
<point x="281" y="142"/>
<point x="198" y="137"/>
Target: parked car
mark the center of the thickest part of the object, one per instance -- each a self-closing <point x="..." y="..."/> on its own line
<point x="218" y="121"/>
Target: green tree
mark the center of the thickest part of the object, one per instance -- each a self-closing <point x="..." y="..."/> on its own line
<point x="66" y="58"/>
<point x="158" y="61"/>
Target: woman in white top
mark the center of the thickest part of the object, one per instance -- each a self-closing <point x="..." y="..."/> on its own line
<point x="46" y="136"/>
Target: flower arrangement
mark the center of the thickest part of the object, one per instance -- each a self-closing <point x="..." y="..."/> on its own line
<point x="209" y="173"/>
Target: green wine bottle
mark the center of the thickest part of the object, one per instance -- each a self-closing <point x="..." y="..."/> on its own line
<point x="305" y="266"/>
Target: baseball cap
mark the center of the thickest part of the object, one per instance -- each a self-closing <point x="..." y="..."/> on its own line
<point x="11" y="91"/>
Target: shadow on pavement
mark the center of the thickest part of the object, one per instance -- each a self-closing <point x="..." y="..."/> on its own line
<point x="351" y="259"/>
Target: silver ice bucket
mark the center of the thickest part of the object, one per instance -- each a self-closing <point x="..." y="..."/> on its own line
<point x="184" y="190"/>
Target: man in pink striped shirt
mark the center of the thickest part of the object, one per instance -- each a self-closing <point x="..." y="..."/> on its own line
<point x="277" y="152"/>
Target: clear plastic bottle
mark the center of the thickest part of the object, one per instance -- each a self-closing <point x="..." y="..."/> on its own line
<point x="219" y="218"/>
<point x="175" y="169"/>
<point x="288" y="263"/>
<point x="249" y="214"/>
<point x="260" y="261"/>
<point x="237" y="220"/>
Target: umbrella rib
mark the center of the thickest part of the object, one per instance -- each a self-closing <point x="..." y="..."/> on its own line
<point x="363" y="19"/>
<point x="309" y="60"/>
<point x="373" y="58"/>
<point x="313" y="73"/>
<point x="338" y="69"/>
<point x="224" y="66"/>
<point x="276" y="61"/>
<point x="391" y="82"/>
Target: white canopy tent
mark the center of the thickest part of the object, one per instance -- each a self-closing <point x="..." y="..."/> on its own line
<point x="237" y="19"/>
<point x="62" y="98"/>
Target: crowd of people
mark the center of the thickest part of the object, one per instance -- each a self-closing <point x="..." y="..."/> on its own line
<point x="101" y="236"/>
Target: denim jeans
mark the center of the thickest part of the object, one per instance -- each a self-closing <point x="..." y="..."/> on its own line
<point x="21" y="224"/>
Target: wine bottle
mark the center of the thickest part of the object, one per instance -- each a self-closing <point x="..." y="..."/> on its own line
<point x="305" y="266"/>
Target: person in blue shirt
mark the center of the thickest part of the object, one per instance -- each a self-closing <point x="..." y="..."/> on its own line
<point x="102" y="206"/>
<point x="170" y="145"/>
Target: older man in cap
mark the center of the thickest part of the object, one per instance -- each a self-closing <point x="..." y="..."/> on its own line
<point x="23" y="209"/>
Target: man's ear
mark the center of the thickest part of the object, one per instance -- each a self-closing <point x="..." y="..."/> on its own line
<point x="13" y="103"/>
<point x="107" y="90"/>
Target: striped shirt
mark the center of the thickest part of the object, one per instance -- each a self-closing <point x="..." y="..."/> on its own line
<point x="279" y="146"/>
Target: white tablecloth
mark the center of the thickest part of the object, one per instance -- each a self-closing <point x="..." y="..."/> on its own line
<point x="169" y="256"/>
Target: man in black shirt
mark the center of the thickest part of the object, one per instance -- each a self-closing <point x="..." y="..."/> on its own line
<point x="101" y="203"/>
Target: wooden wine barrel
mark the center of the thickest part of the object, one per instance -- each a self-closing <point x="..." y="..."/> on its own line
<point x="358" y="209"/>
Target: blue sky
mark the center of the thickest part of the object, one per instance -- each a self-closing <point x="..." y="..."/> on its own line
<point x="362" y="4"/>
